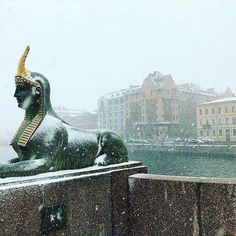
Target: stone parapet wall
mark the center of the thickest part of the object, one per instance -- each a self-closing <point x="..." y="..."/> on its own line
<point x="179" y="206"/>
<point x="117" y="200"/>
<point x="90" y="201"/>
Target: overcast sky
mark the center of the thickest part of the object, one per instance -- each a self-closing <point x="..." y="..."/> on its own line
<point x="89" y="48"/>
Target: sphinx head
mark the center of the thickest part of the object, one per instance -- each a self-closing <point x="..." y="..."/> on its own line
<point x="28" y="90"/>
<point x="27" y="96"/>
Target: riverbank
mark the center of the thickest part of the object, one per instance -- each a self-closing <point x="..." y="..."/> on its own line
<point x="214" y="150"/>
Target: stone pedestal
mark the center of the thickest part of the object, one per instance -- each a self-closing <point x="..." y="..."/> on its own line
<point x="178" y="206"/>
<point x="90" y="201"/>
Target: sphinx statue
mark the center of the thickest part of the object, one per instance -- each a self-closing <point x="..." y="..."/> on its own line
<point x="44" y="142"/>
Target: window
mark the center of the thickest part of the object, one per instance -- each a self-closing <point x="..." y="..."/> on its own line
<point x="201" y="122"/>
<point x="206" y="111"/>
<point x="234" y="132"/>
<point x="201" y="132"/>
<point x="213" y="110"/>
<point x="219" y="121"/>
<point x="219" y="110"/>
<point x="214" y="132"/>
<point x="200" y="112"/>
<point x="213" y="121"/>
<point x="220" y="132"/>
<point x="226" y="109"/>
<point x="233" y="109"/>
<point x="226" y="120"/>
<point x="234" y="120"/>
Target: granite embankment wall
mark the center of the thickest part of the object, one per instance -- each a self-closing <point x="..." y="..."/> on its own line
<point x="170" y="205"/>
<point x="117" y="200"/>
<point x="214" y="150"/>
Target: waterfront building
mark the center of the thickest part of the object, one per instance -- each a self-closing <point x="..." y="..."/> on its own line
<point x="111" y="111"/>
<point x="152" y="109"/>
<point x="189" y="96"/>
<point x="155" y="110"/>
<point x="217" y="119"/>
<point x="132" y="111"/>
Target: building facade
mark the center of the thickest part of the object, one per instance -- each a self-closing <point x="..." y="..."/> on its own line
<point x="111" y="112"/>
<point x="217" y="120"/>
<point x="155" y="110"/>
<point x="189" y="96"/>
<point x="152" y="109"/>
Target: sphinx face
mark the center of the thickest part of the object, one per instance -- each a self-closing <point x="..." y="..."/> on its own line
<point x="25" y="95"/>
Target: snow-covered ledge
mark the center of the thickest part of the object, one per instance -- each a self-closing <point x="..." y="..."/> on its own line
<point x="48" y="177"/>
<point x="89" y="201"/>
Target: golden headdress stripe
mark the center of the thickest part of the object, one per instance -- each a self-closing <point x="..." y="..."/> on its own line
<point x="22" y="75"/>
<point x="30" y="129"/>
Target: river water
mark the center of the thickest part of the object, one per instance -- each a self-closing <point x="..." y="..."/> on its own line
<point x="170" y="164"/>
<point x="187" y="165"/>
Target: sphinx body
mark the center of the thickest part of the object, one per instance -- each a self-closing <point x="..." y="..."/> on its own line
<point x="44" y="142"/>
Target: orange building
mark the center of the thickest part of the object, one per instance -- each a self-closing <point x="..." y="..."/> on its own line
<point x="160" y="108"/>
<point x="152" y="109"/>
<point x="155" y="110"/>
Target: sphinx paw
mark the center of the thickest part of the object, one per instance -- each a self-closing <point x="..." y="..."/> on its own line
<point x="101" y="160"/>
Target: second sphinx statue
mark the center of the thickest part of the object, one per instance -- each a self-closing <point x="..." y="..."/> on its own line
<point x="44" y="142"/>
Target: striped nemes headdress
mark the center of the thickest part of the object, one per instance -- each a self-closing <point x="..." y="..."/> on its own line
<point x="25" y="131"/>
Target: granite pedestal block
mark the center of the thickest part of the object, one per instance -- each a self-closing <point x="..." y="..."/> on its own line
<point x="75" y="202"/>
<point x="182" y="206"/>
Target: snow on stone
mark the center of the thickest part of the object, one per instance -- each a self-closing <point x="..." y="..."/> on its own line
<point x="49" y="126"/>
<point x="49" y="177"/>
<point x="75" y="134"/>
<point x="26" y="103"/>
<point x="34" y="164"/>
<point x="101" y="160"/>
<point x="45" y="181"/>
